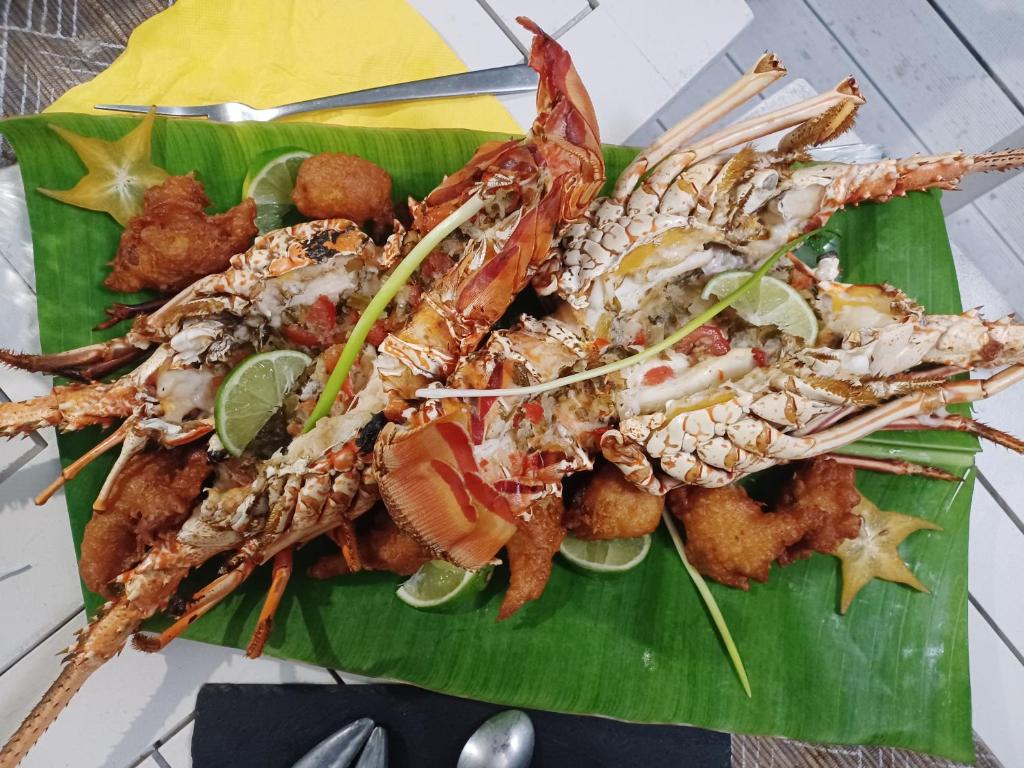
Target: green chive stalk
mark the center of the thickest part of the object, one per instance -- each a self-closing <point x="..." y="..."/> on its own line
<point x="667" y="343"/>
<point x="709" y="601"/>
<point x="380" y="302"/>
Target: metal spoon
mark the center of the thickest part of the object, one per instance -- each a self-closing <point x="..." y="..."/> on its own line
<point x="503" y="741"/>
<point x="339" y="749"/>
<point x="375" y="754"/>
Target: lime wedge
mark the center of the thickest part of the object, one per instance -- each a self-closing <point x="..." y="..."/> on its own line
<point x="439" y="583"/>
<point x="770" y="302"/>
<point x="252" y="393"/>
<point x="610" y="556"/>
<point x="269" y="182"/>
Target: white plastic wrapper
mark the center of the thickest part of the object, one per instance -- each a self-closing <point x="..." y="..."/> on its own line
<point x="854" y="152"/>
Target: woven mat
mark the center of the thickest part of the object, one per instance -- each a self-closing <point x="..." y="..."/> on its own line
<point x="47" y="46"/>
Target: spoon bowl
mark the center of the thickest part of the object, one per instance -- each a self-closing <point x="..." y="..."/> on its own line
<point x="503" y="741"/>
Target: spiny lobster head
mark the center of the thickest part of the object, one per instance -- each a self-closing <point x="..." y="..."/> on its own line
<point x="432" y="486"/>
<point x="561" y="154"/>
<point x="565" y="130"/>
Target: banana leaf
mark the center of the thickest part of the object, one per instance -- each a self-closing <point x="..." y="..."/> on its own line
<point x="638" y="646"/>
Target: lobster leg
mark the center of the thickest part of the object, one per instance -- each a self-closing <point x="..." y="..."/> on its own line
<point x="117" y="311"/>
<point x="202" y="602"/>
<point x="955" y="423"/>
<point x="282" y="572"/>
<point x="114" y="438"/>
<point x="85" y="364"/>
<point x="893" y="467"/>
<point x="786" y="447"/>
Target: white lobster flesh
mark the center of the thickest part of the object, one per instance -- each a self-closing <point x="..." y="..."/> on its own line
<point x="201" y="330"/>
<point x="756" y="417"/>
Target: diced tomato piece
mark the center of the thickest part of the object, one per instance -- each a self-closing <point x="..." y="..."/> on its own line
<point x="298" y="335"/>
<point x="322" y="318"/>
<point x="800" y="279"/>
<point x="708" y="336"/>
<point x="476" y="423"/>
<point x="602" y="344"/>
<point x="331" y="355"/>
<point x="377" y="333"/>
<point x="435" y="265"/>
<point x="534" y="412"/>
<point x="657" y="375"/>
<point x="640" y="340"/>
<point x="760" y="358"/>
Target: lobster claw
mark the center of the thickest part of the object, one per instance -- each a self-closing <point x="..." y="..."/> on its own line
<point x="432" y="486"/>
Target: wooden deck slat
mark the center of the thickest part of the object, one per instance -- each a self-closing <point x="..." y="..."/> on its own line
<point x="997" y="686"/>
<point x="131" y="701"/>
<point x="999" y="549"/>
<point x="972" y="232"/>
<point x="809" y="50"/>
<point x="993" y="29"/>
<point x="944" y="93"/>
<point x="708" y="83"/>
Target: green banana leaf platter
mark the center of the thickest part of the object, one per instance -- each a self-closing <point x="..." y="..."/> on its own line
<point x="637" y="646"/>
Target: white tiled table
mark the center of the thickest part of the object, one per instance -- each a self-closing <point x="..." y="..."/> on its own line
<point x="138" y="710"/>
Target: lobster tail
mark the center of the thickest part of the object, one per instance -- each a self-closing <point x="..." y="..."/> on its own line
<point x="431" y="484"/>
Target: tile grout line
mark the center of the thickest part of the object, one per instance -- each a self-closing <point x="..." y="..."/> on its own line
<point x="976" y="55"/>
<point x="1000" y="501"/>
<point x="503" y="27"/>
<point x="64" y="622"/>
<point x="996" y="628"/>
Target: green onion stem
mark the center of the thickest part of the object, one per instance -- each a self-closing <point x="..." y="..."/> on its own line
<point x="709" y="601"/>
<point x="652" y="351"/>
<point x="380" y="302"/>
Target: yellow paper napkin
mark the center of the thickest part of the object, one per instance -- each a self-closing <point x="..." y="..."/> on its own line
<point x="268" y="52"/>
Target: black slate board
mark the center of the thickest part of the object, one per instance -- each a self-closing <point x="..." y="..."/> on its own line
<point x="272" y="726"/>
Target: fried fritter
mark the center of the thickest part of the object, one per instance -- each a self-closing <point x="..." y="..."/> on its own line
<point x="610" y="507"/>
<point x="336" y="185"/>
<point x="821" y="495"/>
<point x="530" y="552"/>
<point x="173" y="243"/>
<point x="731" y="539"/>
<point x="154" y="493"/>
<point x="379" y="546"/>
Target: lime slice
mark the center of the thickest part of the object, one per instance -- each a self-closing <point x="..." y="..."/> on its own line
<point x="439" y="583"/>
<point x="770" y="302"/>
<point x="610" y="556"/>
<point x="269" y="182"/>
<point x="252" y="393"/>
